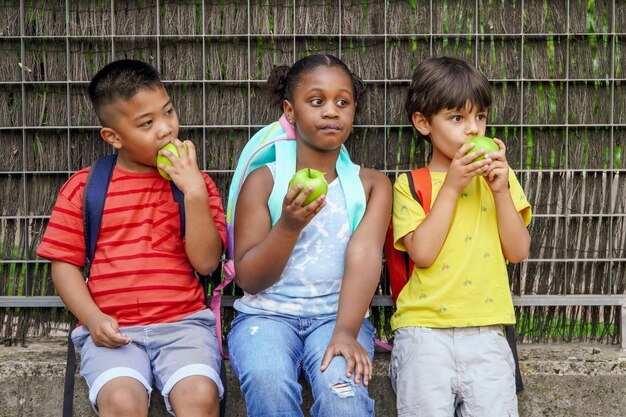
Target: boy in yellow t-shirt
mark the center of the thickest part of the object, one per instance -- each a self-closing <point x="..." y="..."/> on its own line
<point x="450" y="354"/>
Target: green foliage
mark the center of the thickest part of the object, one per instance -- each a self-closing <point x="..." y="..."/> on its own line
<point x="198" y="16"/>
<point x="546" y="326"/>
<point x="529" y="148"/>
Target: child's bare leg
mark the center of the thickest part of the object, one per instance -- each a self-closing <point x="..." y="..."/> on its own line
<point x="123" y="397"/>
<point x="195" y="396"/>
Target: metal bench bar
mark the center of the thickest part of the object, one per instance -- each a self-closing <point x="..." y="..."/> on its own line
<point x="569" y="300"/>
<point x="378" y="301"/>
<point x="387" y="301"/>
<point x="38" y="301"/>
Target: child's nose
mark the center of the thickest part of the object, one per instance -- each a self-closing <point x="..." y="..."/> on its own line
<point x="164" y="128"/>
<point x="330" y="110"/>
<point x="472" y="128"/>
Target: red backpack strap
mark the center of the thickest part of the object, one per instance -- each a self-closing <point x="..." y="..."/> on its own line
<point x="399" y="264"/>
<point x="421" y="187"/>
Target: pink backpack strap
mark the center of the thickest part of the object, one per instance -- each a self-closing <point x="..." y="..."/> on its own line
<point x="216" y="300"/>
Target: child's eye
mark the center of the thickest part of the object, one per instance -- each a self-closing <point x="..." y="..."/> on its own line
<point x="342" y="103"/>
<point x="481" y="117"/>
<point x="456" y="118"/>
<point x="170" y="111"/>
<point x="146" y="124"/>
<point x="316" y="101"/>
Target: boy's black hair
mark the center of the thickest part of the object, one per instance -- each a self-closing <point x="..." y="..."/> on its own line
<point x="120" y="79"/>
<point x="441" y="83"/>
<point x="284" y="79"/>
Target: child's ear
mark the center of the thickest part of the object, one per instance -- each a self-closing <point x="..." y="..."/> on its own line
<point x="111" y="137"/>
<point x="288" y="110"/>
<point x="421" y="123"/>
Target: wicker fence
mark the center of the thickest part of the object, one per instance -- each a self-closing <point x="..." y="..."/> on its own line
<point x="557" y="69"/>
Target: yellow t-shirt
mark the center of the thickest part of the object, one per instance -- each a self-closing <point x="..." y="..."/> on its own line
<point x="468" y="284"/>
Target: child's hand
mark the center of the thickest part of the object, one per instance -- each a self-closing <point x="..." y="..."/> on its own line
<point x="497" y="172"/>
<point x="184" y="170"/>
<point x="358" y="362"/>
<point x="105" y="331"/>
<point x="464" y="167"/>
<point x="294" y="216"/>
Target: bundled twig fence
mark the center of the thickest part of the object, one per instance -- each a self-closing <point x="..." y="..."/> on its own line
<point x="557" y="69"/>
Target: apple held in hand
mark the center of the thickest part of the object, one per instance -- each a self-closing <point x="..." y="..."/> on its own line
<point x="482" y="142"/>
<point x="313" y="178"/>
<point x="162" y="159"/>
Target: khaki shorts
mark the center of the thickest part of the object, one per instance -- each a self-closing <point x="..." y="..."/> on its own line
<point x="437" y="372"/>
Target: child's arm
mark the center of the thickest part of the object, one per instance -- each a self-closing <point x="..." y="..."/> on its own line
<point x="70" y="284"/>
<point x="424" y="244"/>
<point x="363" y="261"/>
<point x="514" y="236"/>
<point x="203" y="243"/>
<point x="262" y="251"/>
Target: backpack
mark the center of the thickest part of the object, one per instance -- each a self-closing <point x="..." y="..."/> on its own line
<point x="400" y="266"/>
<point x="94" y="196"/>
<point x="276" y="142"/>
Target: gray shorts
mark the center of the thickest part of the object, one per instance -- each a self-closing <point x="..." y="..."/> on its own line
<point x="160" y="354"/>
<point x="437" y="372"/>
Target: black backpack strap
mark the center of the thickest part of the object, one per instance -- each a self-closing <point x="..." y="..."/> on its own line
<point x="509" y="333"/>
<point x="413" y="179"/>
<point x="179" y="198"/>
<point x="70" y="371"/>
<point x="216" y="277"/>
<point x="94" y="194"/>
<point x="213" y="279"/>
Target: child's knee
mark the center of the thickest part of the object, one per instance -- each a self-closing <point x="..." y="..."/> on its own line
<point x="344" y="397"/>
<point x="195" y="392"/>
<point x="123" y="396"/>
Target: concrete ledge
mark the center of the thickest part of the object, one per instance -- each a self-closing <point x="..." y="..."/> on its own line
<point x="561" y="380"/>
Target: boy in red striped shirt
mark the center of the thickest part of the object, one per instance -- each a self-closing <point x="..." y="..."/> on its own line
<point x="142" y="313"/>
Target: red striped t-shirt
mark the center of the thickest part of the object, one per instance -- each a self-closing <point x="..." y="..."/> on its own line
<point x="140" y="273"/>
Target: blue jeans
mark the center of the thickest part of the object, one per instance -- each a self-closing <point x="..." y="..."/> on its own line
<point x="270" y="353"/>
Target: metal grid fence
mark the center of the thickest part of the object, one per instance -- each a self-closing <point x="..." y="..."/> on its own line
<point x="557" y="69"/>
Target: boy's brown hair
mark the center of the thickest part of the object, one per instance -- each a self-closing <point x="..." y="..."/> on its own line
<point x="441" y="83"/>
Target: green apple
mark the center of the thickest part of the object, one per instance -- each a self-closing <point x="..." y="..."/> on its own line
<point x="313" y="178"/>
<point x="162" y="159"/>
<point x="482" y="142"/>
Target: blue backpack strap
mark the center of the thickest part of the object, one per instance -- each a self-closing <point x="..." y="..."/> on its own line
<point x="179" y="197"/>
<point x="94" y="195"/>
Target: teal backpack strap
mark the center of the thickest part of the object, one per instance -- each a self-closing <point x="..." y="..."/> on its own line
<point x="352" y="188"/>
<point x="276" y="142"/>
<point x="259" y="151"/>
<point x="347" y="172"/>
<point x="285" y="168"/>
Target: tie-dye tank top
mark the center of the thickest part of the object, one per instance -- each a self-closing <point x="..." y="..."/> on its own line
<point x="310" y="283"/>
